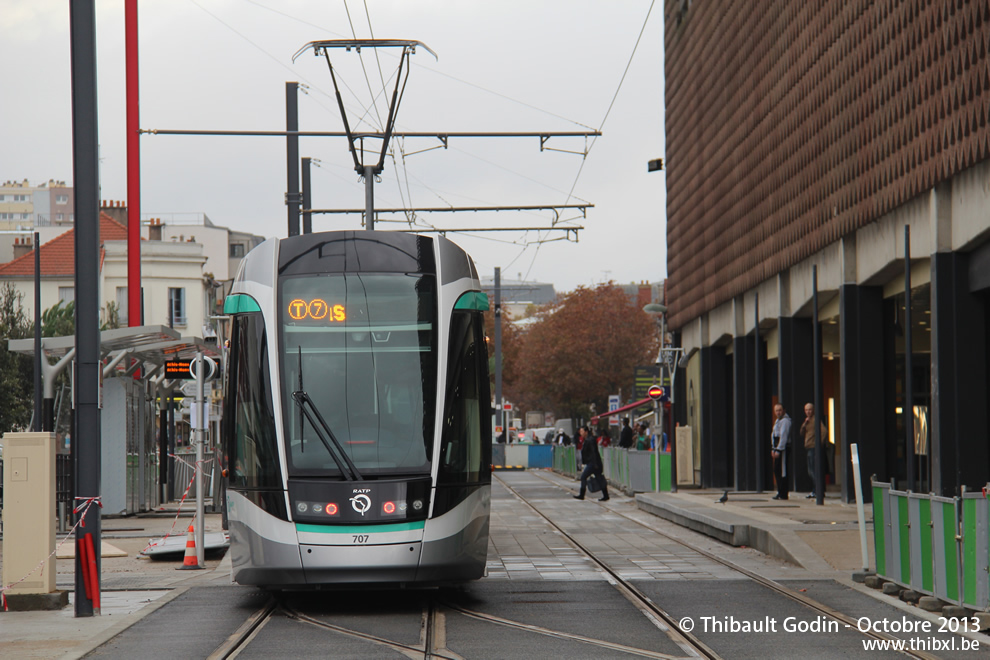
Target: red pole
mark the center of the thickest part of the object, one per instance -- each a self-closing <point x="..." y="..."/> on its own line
<point x="134" y="311"/>
<point x="84" y="565"/>
<point x="94" y="573"/>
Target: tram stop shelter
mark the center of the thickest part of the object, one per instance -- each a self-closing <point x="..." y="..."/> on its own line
<point x="135" y="389"/>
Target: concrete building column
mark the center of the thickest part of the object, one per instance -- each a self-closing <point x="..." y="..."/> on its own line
<point x="746" y="447"/>
<point x="959" y="449"/>
<point x="716" y="432"/>
<point x="861" y="385"/>
<point x="795" y="375"/>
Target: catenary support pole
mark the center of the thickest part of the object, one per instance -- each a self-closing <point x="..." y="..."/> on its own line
<point x="85" y="171"/>
<point x="38" y="357"/>
<point x="307" y="197"/>
<point x="292" y="156"/>
<point x="133" y="126"/>
<point x="171" y="445"/>
<point x="200" y="428"/>
<point x="908" y="365"/>
<point x="817" y="371"/>
<point x="369" y="197"/>
<point x="498" y="349"/>
<point x="757" y="397"/>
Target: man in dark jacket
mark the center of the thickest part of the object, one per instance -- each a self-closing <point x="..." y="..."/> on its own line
<point x="626" y="435"/>
<point x="593" y="465"/>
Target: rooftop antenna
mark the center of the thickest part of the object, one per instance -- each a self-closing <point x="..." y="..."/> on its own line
<point x="368" y="171"/>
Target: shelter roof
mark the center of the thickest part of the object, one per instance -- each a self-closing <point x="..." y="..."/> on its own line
<point x="152" y="344"/>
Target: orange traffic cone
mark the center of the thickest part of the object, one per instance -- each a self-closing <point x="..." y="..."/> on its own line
<point x="189" y="561"/>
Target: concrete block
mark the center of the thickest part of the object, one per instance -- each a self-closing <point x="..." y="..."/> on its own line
<point x="861" y="576"/>
<point x="55" y="600"/>
<point x="910" y="596"/>
<point x="930" y="604"/>
<point x="874" y="581"/>
<point x="955" y="612"/>
<point x="984" y="618"/>
<point x="892" y="589"/>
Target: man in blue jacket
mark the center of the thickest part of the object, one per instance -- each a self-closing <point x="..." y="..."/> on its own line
<point x="781" y="440"/>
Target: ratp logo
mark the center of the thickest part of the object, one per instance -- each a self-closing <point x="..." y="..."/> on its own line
<point x="361" y="503"/>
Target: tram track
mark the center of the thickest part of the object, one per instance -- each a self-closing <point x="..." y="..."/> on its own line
<point x="435" y="607"/>
<point x="431" y="647"/>
<point x="766" y="582"/>
<point x="433" y="635"/>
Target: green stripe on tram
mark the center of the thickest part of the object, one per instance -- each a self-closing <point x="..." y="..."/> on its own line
<point x="360" y="529"/>
<point x="237" y="303"/>
<point x="475" y="300"/>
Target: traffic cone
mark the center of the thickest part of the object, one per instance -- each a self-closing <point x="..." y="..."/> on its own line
<point x="189" y="561"/>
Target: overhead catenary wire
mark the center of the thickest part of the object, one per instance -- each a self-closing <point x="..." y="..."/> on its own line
<point x="309" y="88"/>
<point x="278" y="60"/>
<point x="601" y="125"/>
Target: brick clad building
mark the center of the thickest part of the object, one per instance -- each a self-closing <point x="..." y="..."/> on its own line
<point x="807" y="136"/>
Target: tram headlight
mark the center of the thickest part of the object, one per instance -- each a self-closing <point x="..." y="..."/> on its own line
<point x="418" y="505"/>
<point x="389" y="507"/>
<point x="301" y="507"/>
<point x="332" y="509"/>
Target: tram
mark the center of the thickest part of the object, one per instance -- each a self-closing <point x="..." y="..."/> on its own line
<point x="357" y="413"/>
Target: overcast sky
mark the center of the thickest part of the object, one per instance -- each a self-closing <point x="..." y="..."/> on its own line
<point x="510" y="65"/>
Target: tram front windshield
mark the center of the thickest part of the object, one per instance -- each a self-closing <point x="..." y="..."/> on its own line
<point x="363" y="347"/>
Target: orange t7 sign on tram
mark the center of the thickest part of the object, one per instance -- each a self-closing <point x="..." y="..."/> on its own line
<point x="316" y="309"/>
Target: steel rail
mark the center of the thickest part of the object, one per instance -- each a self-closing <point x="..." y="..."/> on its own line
<point x="425" y="651"/>
<point x="245" y="633"/>
<point x="686" y="640"/>
<point x="770" y="584"/>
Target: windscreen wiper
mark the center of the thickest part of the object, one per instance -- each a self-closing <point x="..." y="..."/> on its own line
<point x="309" y="409"/>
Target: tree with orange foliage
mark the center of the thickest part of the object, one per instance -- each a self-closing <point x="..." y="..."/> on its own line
<point x="510" y="348"/>
<point x="584" y="348"/>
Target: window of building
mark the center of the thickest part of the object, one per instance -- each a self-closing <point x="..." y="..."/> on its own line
<point x="66" y="294"/>
<point x="58" y="217"/>
<point x="61" y="199"/>
<point x="236" y="250"/>
<point x="122" y="304"/>
<point x="176" y="307"/>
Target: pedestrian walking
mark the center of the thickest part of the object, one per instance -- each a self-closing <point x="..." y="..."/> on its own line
<point x="593" y="466"/>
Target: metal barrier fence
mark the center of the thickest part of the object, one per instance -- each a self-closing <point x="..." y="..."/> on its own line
<point x="935" y="545"/>
<point x="185" y="471"/>
<point x="631" y="470"/>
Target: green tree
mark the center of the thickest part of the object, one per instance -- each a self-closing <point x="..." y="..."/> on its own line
<point x="58" y="321"/>
<point x="582" y="349"/>
<point x="16" y="370"/>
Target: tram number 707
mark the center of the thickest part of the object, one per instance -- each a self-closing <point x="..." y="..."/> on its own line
<point x="360" y="538"/>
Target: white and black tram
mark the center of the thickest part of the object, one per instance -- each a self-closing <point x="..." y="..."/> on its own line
<point x="356" y="425"/>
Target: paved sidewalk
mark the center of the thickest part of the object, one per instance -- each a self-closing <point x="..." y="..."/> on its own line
<point x="821" y="539"/>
